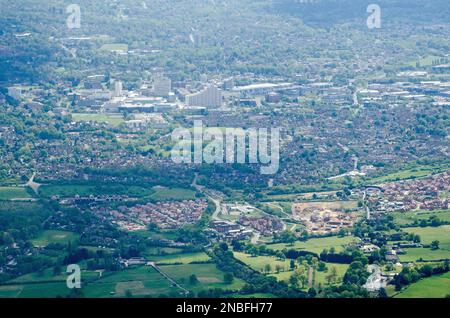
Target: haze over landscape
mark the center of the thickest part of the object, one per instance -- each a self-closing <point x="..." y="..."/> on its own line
<point x="224" y="149"/>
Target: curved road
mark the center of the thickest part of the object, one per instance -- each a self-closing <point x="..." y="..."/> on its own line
<point x="216" y="201"/>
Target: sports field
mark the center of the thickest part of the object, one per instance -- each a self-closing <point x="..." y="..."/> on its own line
<point x="112" y="120"/>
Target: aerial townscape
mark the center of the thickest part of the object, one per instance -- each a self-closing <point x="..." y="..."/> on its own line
<point x="355" y="105"/>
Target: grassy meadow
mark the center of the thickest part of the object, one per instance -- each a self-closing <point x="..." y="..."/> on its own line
<point x="316" y="245"/>
<point x="50" y="236"/>
<point x="431" y="287"/>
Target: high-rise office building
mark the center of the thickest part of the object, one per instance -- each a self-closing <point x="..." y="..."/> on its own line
<point x="210" y="97"/>
<point x="118" y="89"/>
<point x="162" y="86"/>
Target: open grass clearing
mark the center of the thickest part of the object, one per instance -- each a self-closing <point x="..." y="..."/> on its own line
<point x="51" y="236"/>
<point x="11" y="193"/>
<point x="316" y="245"/>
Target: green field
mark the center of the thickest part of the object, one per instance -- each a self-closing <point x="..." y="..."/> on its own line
<point x="141" y="281"/>
<point x="177" y="194"/>
<point x="411" y="173"/>
<point x="115" y="47"/>
<point x="42" y="284"/>
<point x="180" y="258"/>
<point x="47" y="276"/>
<point x="44" y="290"/>
<point x="340" y="269"/>
<point x="47" y="237"/>
<point x="407" y="218"/>
<point x="426" y="254"/>
<point x="432" y="287"/>
<point x="86" y="190"/>
<point x="425" y="61"/>
<point x="10" y="291"/>
<point x="320" y="277"/>
<point x="66" y="190"/>
<point x="444" y="194"/>
<point x="208" y="275"/>
<point x="113" y="120"/>
<point x="429" y="234"/>
<point x="259" y="262"/>
<point x="36" y="277"/>
<point x="146" y="281"/>
<point x="162" y="251"/>
<point x="317" y="245"/>
<point x="167" y="234"/>
<point x="10" y="193"/>
<point x="283" y="276"/>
